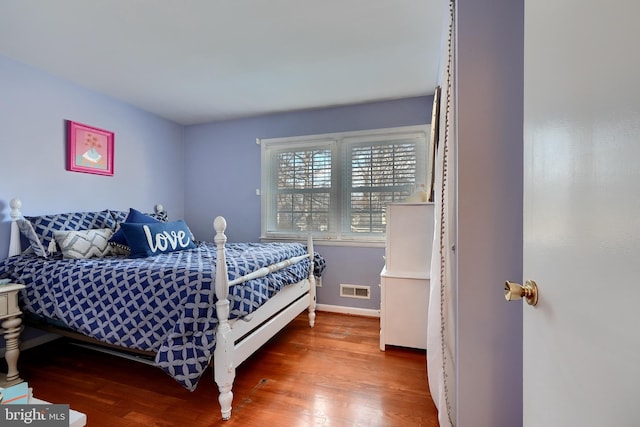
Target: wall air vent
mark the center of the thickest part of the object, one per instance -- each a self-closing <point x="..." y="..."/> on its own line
<point x="355" y="291"/>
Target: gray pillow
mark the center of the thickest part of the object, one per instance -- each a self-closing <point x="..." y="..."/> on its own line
<point x="27" y="230"/>
<point x="80" y="244"/>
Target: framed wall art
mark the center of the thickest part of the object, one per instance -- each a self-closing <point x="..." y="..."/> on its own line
<point x="89" y="149"/>
<point x="433" y="142"/>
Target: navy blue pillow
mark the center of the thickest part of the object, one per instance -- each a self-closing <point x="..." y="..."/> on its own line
<point x="135" y="216"/>
<point x="155" y="238"/>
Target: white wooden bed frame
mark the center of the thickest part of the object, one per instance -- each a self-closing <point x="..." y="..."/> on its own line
<point x="236" y="339"/>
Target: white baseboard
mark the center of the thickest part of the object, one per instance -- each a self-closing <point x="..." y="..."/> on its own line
<point x="348" y="310"/>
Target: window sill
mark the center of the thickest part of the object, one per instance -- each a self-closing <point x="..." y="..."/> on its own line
<point x="329" y="242"/>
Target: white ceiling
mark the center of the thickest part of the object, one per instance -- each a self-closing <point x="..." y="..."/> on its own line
<point x="197" y="61"/>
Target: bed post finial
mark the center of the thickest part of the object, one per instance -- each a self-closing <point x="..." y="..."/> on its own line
<point x="14" y="239"/>
<point x="220" y="224"/>
<point x="16" y="205"/>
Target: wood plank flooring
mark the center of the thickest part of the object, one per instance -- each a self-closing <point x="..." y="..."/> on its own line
<point x="331" y="375"/>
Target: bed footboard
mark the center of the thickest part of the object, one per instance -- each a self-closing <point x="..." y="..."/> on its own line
<point x="225" y="359"/>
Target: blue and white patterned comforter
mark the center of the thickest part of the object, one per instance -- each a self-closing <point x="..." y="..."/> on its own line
<point x="164" y="303"/>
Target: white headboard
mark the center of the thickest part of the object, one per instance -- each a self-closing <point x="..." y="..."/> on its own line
<point x="14" y="240"/>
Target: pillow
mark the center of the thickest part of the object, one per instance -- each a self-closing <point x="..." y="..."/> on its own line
<point x="118" y="240"/>
<point x="161" y="216"/>
<point x="26" y="228"/>
<point x="79" y="244"/>
<point x="45" y="225"/>
<point x="155" y="238"/>
<point x="121" y="216"/>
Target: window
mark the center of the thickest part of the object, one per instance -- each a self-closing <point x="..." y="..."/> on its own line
<point x="338" y="185"/>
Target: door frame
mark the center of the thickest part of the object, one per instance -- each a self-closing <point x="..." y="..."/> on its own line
<point x="489" y="119"/>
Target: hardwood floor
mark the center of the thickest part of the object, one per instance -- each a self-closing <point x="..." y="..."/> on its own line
<point x="331" y="375"/>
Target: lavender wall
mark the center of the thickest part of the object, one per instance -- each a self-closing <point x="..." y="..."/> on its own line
<point x="149" y="152"/>
<point x="223" y="172"/>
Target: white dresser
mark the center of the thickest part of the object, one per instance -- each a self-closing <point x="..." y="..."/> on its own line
<point x="404" y="281"/>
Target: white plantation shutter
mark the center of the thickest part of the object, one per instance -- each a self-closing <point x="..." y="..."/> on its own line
<point x="303" y="189"/>
<point x="339" y="184"/>
<point x="378" y="173"/>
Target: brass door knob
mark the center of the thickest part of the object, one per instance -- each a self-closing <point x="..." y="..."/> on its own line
<point x="514" y="291"/>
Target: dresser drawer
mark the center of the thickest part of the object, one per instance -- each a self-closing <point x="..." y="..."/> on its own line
<point x="409" y="239"/>
<point x="404" y="304"/>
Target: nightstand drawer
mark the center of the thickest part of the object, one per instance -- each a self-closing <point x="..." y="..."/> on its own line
<point x="9" y="300"/>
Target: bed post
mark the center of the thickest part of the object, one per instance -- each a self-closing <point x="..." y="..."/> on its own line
<point x="224" y="369"/>
<point x="312" y="283"/>
<point x="14" y="240"/>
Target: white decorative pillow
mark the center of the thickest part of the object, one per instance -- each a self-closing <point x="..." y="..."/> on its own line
<point x="78" y="244"/>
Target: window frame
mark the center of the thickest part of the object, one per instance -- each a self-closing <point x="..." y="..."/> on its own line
<point x="341" y="176"/>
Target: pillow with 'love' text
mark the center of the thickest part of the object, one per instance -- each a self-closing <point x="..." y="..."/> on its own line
<point x="156" y="238"/>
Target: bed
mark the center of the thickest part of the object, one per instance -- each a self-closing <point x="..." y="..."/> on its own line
<point x="188" y="303"/>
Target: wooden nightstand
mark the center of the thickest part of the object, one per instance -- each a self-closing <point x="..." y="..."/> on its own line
<point x="11" y="324"/>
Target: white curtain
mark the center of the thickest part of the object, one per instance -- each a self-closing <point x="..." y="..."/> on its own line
<point x="441" y="349"/>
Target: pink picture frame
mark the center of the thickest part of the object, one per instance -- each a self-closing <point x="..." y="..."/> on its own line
<point x="89" y="149"/>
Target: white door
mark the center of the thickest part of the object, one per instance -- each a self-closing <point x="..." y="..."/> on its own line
<point x="582" y="213"/>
